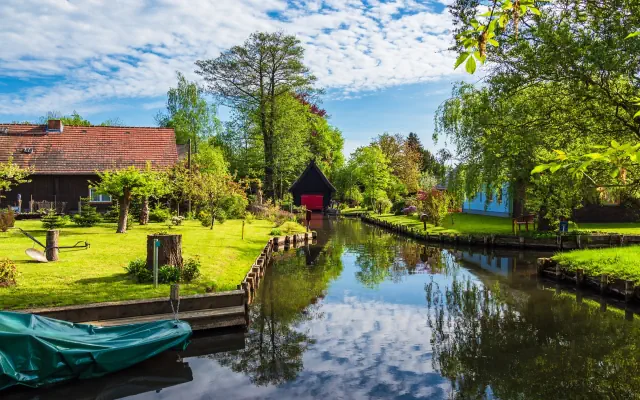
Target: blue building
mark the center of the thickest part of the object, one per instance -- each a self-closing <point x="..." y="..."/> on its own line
<point x="497" y="206"/>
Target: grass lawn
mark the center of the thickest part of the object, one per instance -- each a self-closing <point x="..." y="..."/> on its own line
<point x="461" y="224"/>
<point x="483" y="224"/>
<point x="355" y="210"/>
<point x="97" y="274"/>
<point x="617" y="262"/>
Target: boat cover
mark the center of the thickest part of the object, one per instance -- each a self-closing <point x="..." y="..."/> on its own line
<point x="37" y="351"/>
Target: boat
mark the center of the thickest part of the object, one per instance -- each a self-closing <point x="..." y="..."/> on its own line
<point x="36" y="351"/>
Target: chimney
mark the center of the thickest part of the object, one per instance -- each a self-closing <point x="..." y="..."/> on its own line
<point x="54" y="125"/>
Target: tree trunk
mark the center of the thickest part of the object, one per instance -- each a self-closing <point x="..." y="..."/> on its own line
<point x="144" y="213"/>
<point x="169" y="252"/>
<point x="52" y="245"/>
<point x="269" y="189"/>
<point x="124" y="201"/>
<point x="544" y="224"/>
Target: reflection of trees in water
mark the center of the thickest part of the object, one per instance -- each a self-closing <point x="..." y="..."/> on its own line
<point x="544" y="346"/>
<point x="287" y="297"/>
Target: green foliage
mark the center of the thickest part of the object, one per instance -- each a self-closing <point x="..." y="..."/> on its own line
<point x="189" y="114"/>
<point x="371" y="168"/>
<point x="249" y="218"/>
<point x="168" y="274"/>
<point x="7" y="219"/>
<point x="191" y="269"/>
<point x="177" y="220"/>
<point x="159" y="213"/>
<point x="11" y="174"/>
<point x="434" y="204"/>
<point x="88" y="215"/>
<point x="8" y="273"/>
<point x="138" y="269"/>
<point x="51" y="220"/>
<point x="275" y="232"/>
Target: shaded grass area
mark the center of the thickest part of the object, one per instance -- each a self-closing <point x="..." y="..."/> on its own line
<point x="626" y="228"/>
<point x="617" y="262"/>
<point x="97" y="274"/>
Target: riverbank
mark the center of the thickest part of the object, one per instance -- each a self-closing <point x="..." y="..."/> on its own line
<point x="97" y="274"/>
<point x="533" y="240"/>
<point x="618" y="263"/>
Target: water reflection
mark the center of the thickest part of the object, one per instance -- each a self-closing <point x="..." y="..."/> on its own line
<point x="366" y="314"/>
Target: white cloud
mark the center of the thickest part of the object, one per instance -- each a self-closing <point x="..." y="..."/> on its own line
<point x="94" y="52"/>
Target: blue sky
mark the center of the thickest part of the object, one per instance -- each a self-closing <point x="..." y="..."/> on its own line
<point x="384" y="64"/>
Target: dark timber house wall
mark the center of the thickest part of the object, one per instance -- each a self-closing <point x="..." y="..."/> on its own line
<point x="312" y="182"/>
<point x="65" y="158"/>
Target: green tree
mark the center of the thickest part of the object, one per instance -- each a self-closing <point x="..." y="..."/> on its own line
<point x="372" y="170"/>
<point x="75" y="119"/>
<point x="11" y="174"/>
<point x="122" y="184"/>
<point x="189" y="114"/>
<point x="254" y="76"/>
<point x="404" y="159"/>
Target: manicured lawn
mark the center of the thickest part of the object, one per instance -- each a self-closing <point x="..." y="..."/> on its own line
<point x="97" y="274"/>
<point x="626" y="228"/>
<point x="356" y="210"/>
<point x="617" y="262"/>
<point x="461" y="223"/>
<point x="482" y="224"/>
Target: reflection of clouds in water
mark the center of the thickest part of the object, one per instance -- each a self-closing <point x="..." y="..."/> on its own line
<point x="363" y="350"/>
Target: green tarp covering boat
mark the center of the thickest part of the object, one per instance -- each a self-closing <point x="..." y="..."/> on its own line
<point x="37" y="351"/>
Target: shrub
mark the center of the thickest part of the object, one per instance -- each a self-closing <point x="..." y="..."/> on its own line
<point x="138" y="269"/>
<point x="398" y="206"/>
<point x="275" y="232"/>
<point x="235" y="206"/>
<point x="290" y="227"/>
<point x="177" y="220"/>
<point x="159" y="214"/>
<point x="8" y="273"/>
<point x="53" y="221"/>
<point x="7" y="219"/>
<point x="383" y="205"/>
<point x="409" y="210"/>
<point x="249" y="218"/>
<point x="88" y="215"/>
<point x="434" y="203"/>
<point x="191" y="269"/>
<point x="168" y="274"/>
<point x="112" y="214"/>
<point x="205" y="217"/>
<point x="279" y="217"/>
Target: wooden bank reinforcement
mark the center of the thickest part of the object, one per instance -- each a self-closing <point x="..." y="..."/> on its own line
<point x="201" y="311"/>
<point x="557" y="242"/>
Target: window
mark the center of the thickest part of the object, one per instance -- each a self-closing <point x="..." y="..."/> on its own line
<point x="98" y="198"/>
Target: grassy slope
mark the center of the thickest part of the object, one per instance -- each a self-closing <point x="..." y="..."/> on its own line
<point x="97" y="274"/>
<point x="618" y="262"/>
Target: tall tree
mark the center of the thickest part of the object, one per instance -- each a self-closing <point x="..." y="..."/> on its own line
<point x="254" y="76"/>
<point x="189" y="113"/>
<point x="373" y="171"/>
<point x="404" y="160"/>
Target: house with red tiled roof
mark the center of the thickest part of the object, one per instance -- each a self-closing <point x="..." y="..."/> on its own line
<point x="64" y="159"/>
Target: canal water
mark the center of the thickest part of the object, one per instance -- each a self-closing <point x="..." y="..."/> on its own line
<point x="365" y="314"/>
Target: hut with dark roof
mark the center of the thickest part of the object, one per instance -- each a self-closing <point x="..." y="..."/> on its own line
<point x="312" y="189"/>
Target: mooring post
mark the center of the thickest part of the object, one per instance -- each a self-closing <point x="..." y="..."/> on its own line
<point x="156" y="246"/>
<point x="604" y="282"/>
<point x="628" y="290"/>
<point x="52" y="245"/>
<point x="242" y="229"/>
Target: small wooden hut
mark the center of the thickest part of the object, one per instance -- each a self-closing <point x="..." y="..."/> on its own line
<point x="312" y="189"/>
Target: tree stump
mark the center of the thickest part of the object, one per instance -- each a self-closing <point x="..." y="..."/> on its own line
<point x="169" y="252"/>
<point x="52" y="245"/>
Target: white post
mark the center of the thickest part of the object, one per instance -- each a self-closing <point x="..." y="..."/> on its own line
<point x="156" y="245"/>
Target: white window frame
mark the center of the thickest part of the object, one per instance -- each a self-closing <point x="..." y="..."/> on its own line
<point x="101" y="198"/>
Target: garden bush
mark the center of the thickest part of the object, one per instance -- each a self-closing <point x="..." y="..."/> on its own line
<point x="54" y="221"/>
<point x="159" y="214"/>
<point x="249" y="218"/>
<point x="235" y="206"/>
<point x="138" y="269"/>
<point x="205" y="217"/>
<point x="88" y="215"/>
<point x="168" y="274"/>
<point x="8" y="273"/>
<point x="290" y="227"/>
<point x="435" y="204"/>
<point x="275" y="232"/>
<point x="398" y="206"/>
<point x="191" y="269"/>
<point x="177" y="220"/>
<point x="7" y="219"/>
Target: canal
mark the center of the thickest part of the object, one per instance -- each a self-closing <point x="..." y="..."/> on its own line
<point x="367" y="314"/>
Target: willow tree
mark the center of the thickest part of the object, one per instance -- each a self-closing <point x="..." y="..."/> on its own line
<point x="254" y="76"/>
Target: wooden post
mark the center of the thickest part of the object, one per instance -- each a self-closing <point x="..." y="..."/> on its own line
<point x="242" y="229"/>
<point x="628" y="291"/>
<point x="604" y="282"/>
<point x="52" y="245"/>
<point x="579" y="277"/>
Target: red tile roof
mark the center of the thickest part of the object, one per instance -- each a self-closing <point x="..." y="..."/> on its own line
<point x="86" y="149"/>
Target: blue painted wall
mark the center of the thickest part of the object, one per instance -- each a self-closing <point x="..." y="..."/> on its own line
<point x="478" y="204"/>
